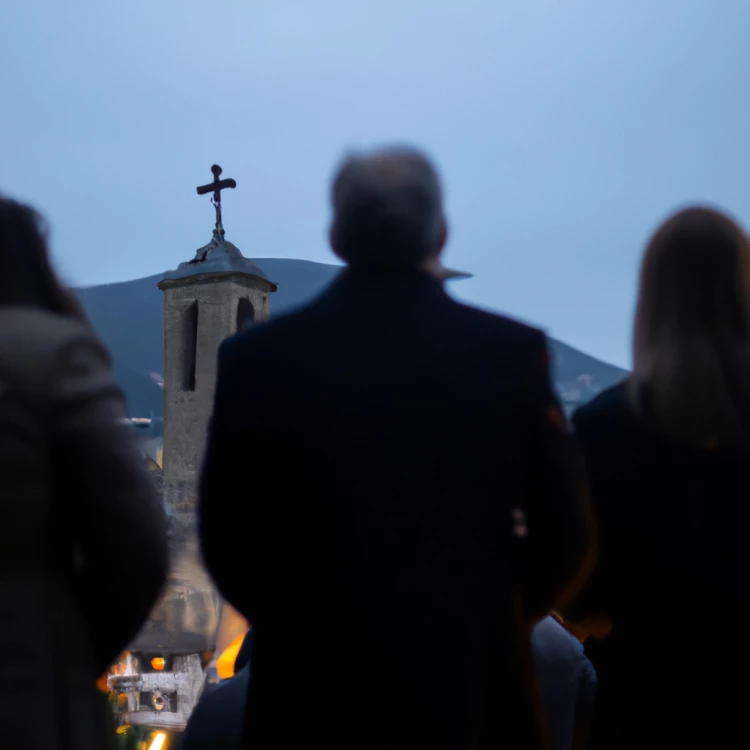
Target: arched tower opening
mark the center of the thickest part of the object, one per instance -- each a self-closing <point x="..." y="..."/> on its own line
<point x="245" y="314"/>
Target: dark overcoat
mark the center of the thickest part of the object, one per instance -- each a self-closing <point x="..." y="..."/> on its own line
<point x="672" y="578"/>
<point x="373" y="447"/>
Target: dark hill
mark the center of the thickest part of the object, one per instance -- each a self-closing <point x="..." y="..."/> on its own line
<point x="129" y="317"/>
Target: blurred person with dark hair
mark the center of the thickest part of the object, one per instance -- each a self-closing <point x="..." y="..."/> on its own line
<point x="78" y="506"/>
<point x="218" y="719"/>
<point x="668" y="455"/>
<point x="413" y="504"/>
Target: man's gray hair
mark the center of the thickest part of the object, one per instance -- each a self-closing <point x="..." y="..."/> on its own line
<point x="388" y="208"/>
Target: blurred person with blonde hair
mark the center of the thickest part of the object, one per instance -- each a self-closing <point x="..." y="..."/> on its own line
<point x="668" y="455"/>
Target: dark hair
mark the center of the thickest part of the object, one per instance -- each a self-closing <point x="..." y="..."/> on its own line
<point x="26" y="275"/>
<point x="691" y="345"/>
<point x="387" y="209"/>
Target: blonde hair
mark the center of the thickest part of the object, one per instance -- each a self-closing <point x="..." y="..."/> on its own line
<point x="691" y="343"/>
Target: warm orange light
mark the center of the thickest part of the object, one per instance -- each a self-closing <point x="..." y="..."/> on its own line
<point x="102" y="683"/>
<point x="158" y="663"/>
<point x="225" y="662"/>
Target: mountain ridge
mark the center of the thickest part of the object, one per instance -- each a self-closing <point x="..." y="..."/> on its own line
<point x="129" y="317"/>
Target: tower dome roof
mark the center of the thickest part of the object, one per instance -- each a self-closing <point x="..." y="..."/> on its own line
<point x="218" y="256"/>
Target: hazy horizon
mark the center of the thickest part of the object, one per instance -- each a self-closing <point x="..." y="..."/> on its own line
<point x="564" y="132"/>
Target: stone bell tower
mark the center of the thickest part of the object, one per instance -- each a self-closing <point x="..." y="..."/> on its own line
<point x="206" y="299"/>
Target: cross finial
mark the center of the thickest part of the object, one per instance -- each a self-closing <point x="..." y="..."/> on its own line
<point x="216" y="187"/>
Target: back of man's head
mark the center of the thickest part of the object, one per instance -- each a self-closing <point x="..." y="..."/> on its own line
<point x="387" y="210"/>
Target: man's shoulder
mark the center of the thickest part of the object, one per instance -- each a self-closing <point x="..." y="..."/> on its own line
<point x="502" y="328"/>
<point x="261" y="335"/>
<point x="493" y="329"/>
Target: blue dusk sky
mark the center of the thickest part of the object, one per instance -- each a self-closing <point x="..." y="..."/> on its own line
<point x="564" y="130"/>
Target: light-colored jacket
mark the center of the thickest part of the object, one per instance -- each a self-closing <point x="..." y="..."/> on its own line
<point x="83" y="551"/>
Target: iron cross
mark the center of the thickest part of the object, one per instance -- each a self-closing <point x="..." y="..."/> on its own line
<point x="216" y="187"/>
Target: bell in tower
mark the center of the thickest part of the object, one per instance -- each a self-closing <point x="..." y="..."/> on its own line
<point x="207" y="299"/>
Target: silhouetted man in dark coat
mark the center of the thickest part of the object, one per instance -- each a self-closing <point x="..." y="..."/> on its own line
<point x="409" y="505"/>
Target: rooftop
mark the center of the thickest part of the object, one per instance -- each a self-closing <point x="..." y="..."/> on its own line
<point x="218" y="256"/>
